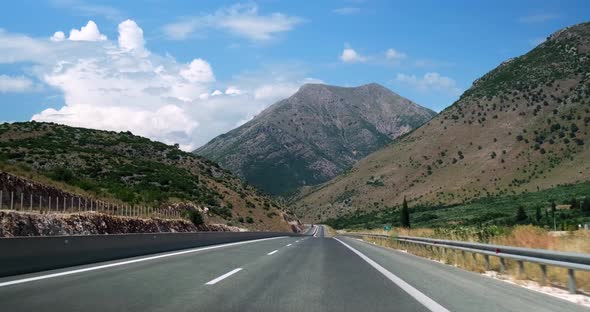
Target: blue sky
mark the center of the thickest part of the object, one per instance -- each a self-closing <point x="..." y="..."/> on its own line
<point x="186" y="71"/>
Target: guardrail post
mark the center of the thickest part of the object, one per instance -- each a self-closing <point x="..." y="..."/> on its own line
<point x="521" y="268"/>
<point x="502" y="265"/>
<point x="11" y="200"/>
<point x="1" y="200"/>
<point x="543" y="274"/>
<point x="31" y="203"/>
<point x="40" y="203"/>
<point x="49" y="202"/>
<point x="22" y="199"/>
<point x="571" y="281"/>
<point x="487" y="260"/>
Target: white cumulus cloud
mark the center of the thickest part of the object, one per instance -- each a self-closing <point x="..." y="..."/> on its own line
<point x="89" y="32"/>
<point x="242" y="20"/>
<point x="198" y="71"/>
<point x="351" y="56"/>
<point x="431" y="81"/>
<point x="58" y="36"/>
<point x="131" y="38"/>
<point x="120" y="85"/>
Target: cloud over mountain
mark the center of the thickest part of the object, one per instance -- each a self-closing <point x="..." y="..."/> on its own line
<point x="121" y="85"/>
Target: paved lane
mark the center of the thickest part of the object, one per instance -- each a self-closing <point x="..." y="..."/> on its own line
<point x="311" y="273"/>
<point x="457" y="289"/>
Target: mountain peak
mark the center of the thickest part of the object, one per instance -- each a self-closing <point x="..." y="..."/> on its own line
<point x="316" y="86"/>
<point x="314" y="135"/>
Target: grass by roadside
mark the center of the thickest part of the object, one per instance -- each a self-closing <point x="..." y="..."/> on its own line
<point x="520" y="236"/>
<point x="329" y="231"/>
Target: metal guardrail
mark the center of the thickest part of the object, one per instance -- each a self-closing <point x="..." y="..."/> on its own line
<point x="569" y="260"/>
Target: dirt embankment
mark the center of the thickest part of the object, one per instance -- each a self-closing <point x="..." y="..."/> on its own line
<point x="30" y="224"/>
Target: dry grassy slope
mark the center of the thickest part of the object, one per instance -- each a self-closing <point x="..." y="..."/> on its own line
<point x="126" y="168"/>
<point x="522" y="127"/>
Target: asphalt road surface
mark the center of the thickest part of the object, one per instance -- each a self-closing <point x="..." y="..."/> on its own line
<point x="312" y="273"/>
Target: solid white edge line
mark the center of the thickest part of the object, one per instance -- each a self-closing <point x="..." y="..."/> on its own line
<point x="42" y="277"/>
<point x="289" y="245"/>
<point x="415" y="293"/>
<point x="272" y="252"/>
<point x="224" y="276"/>
<point x="315" y="230"/>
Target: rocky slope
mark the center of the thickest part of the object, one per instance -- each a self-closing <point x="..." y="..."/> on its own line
<point x="522" y="127"/>
<point x="30" y="224"/>
<point x="120" y="168"/>
<point x="314" y="135"/>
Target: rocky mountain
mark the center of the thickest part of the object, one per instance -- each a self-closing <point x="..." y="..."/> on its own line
<point x="522" y="127"/>
<point x="314" y="135"/>
<point x="121" y="168"/>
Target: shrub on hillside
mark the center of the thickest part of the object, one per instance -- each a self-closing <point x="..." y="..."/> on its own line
<point x="195" y="217"/>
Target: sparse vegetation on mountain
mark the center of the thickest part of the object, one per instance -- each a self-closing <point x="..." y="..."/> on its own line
<point x="535" y="109"/>
<point x="122" y="167"/>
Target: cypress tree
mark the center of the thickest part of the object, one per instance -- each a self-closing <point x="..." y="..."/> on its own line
<point x="574" y="203"/>
<point x="586" y="205"/>
<point x="520" y="215"/>
<point x="538" y="215"/>
<point x="405" y="215"/>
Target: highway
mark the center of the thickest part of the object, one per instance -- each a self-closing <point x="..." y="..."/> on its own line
<point x="306" y="273"/>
